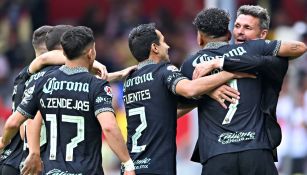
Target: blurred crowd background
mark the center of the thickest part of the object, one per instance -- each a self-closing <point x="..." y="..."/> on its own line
<point x="111" y="21"/>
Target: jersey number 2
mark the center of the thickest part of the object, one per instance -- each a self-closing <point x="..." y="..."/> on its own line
<point x="79" y="120"/>
<point x="138" y="131"/>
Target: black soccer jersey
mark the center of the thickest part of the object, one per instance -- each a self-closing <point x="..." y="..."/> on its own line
<point x="69" y="100"/>
<point x="151" y="109"/>
<point x="241" y="126"/>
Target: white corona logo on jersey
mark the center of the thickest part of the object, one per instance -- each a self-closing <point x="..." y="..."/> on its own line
<point x="138" y="80"/>
<point x="234" y="52"/>
<point x="53" y="85"/>
<point x="60" y="172"/>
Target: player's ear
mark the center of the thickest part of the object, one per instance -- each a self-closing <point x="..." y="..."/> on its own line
<point x="200" y="38"/>
<point x="264" y="33"/>
<point x="154" y="48"/>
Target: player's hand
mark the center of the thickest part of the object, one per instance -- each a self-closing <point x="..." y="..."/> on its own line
<point x="32" y="165"/>
<point x="224" y="93"/>
<point x="243" y="75"/>
<point x="127" y="71"/>
<point x="129" y="173"/>
<point x="100" y="70"/>
<point x="204" y="68"/>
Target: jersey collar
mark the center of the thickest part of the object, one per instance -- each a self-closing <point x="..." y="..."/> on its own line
<point x="145" y="63"/>
<point x="73" y="70"/>
<point x="215" y="45"/>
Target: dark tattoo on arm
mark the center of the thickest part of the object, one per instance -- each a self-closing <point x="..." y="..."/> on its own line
<point x="294" y="46"/>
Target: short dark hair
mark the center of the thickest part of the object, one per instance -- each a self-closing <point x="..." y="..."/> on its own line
<point x="212" y="22"/>
<point x="76" y="40"/>
<point x="140" y="40"/>
<point x="39" y="36"/>
<point x="257" y="12"/>
<point x="53" y="38"/>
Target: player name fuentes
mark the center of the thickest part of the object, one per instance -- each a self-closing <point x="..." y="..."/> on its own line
<point x="65" y="104"/>
<point x="53" y="85"/>
<point x="137" y="96"/>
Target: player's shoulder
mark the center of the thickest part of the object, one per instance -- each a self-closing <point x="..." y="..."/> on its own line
<point x="257" y="42"/>
<point x="167" y="66"/>
<point x="23" y="75"/>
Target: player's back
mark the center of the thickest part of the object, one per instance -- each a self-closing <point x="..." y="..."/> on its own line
<point x="241" y="126"/>
<point x="151" y="117"/>
<point x="74" y="135"/>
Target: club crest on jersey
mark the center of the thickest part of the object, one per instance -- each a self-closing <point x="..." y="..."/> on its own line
<point x="28" y="95"/>
<point x="108" y="90"/>
<point x="172" y="68"/>
<point x="267" y="41"/>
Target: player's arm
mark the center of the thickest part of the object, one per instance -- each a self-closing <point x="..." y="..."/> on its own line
<point x="115" y="139"/>
<point x="33" y="163"/>
<point x="291" y="49"/>
<point x="120" y="75"/>
<point x="56" y="57"/>
<point x="11" y="127"/>
<point x="203" y="85"/>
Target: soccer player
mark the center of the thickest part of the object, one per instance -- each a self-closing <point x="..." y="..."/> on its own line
<point x="150" y="96"/>
<point x="12" y="154"/>
<point x="234" y="136"/>
<point x="76" y="107"/>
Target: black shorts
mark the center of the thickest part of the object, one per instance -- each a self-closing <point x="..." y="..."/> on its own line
<point x="250" y="162"/>
<point x="8" y="170"/>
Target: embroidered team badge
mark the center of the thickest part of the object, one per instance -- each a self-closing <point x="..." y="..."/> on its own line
<point x="108" y="90"/>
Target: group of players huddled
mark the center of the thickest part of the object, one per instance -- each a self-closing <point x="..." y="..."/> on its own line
<point x="62" y="101"/>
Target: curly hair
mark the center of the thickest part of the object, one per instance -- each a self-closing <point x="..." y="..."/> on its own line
<point x="213" y="22"/>
<point x="140" y="40"/>
<point x="258" y="12"/>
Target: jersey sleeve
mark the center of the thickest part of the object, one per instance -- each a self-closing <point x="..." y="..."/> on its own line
<point x="265" y="47"/>
<point x="270" y="66"/>
<point x="102" y="97"/>
<point x="171" y="76"/>
<point x="29" y="104"/>
<point x="19" y="87"/>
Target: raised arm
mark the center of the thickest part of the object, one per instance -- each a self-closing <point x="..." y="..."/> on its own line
<point x="56" y="57"/>
<point x="292" y="49"/>
<point x="203" y="85"/>
<point x="115" y="140"/>
<point x="120" y="75"/>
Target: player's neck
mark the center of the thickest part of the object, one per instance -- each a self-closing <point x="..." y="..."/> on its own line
<point x="78" y="62"/>
<point x="154" y="58"/>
